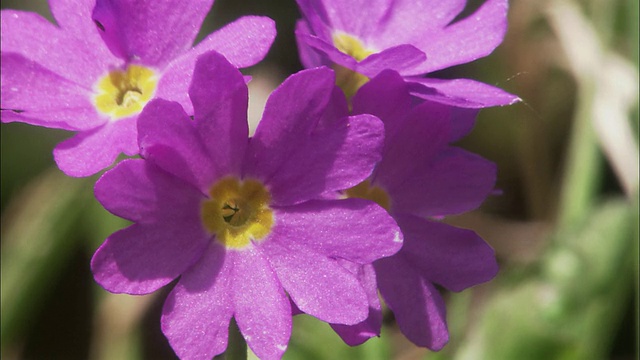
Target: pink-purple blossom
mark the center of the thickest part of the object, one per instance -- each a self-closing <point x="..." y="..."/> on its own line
<point x="361" y="38"/>
<point x="94" y="72"/>
<point x="419" y="179"/>
<point x="245" y="222"/>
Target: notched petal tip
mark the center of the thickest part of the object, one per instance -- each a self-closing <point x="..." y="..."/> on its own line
<point x="99" y="25"/>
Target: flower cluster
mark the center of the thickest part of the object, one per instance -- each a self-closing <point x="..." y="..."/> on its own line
<point x="335" y="199"/>
<point x="95" y="72"/>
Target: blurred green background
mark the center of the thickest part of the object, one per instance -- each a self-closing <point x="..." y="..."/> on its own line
<point x="565" y="227"/>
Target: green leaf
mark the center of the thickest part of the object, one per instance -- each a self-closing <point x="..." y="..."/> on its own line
<point x="569" y="310"/>
<point x="39" y="234"/>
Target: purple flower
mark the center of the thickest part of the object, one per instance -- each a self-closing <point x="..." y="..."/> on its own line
<point x="361" y="38"/>
<point x="244" y="222"/>
<point x="421" y="177"/>
<point x="94" y="72"/>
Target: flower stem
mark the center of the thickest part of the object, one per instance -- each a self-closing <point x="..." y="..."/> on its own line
<point x="584" y="161"/>
<point x="237" y="346"/>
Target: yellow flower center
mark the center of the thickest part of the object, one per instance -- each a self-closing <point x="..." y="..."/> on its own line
<point x="348" y="80"/>
<point x="364" y="190"/>
<point x="351" y="46"/>
<point x="121" y="93"/>
<point x="237" y="212"/>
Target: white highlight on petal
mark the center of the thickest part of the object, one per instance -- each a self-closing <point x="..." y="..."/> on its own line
<point x="397" y="238"/>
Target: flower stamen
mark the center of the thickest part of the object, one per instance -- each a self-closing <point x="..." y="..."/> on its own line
<point x="123" y="93"/>
<point x="237" y="212"/>
<point x="365" y="190"/>
<point x="346" y="79"/>
<point x="351" y="46"/>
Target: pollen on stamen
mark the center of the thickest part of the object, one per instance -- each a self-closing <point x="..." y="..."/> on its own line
<point x="123" y="93"/>
<point x="348" y="80"/>
<point x="237" y="212"/>
<point x="351" y="46"/>
<point x="365" y="190"/>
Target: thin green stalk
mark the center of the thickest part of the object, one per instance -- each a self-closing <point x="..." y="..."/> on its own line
<point x="237" y="346"/>
<point x="636" y="259"/>
<point x="38" y="233"/>
<point x="583" y="164"/>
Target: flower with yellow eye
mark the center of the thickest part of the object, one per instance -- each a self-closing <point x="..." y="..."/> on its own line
<point x="246" y="223"/>
<point x="419" y="180"/>
<point x="94" y="73"/>
<point x="361" y="38"/>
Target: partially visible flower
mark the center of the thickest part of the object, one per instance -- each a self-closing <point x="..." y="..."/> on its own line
<point x="421" y="178"/>
<point x="94" y="72"/>
<point x="361" y="38"/>
<point x="243" y="222"/>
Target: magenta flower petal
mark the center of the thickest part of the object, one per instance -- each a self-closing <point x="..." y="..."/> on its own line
<point x="421" y="175"/>
<point x="308" y="56"/>
<point x="455" y="182"/>
<point x="415" y="302"/>
<point x="317" y="285"/>
<point x="317" y="140"/>
<point x="380" y="19"/>
<point x="75" y="16"/>
<point x="262" y="310"/>
<point x="408" y="17"/>
<point x="22" y="33"/>
<point x="142" y="258"/>
<point x="376" y="96"/>
<point x="389" y="88"/>
<point x="194" y="208"/>
<point x="151" y="253"/>
<point x="461" y="92"/>
<point x="396" y="35"/>
<point x="291" y="113"/>
<point x="372" y="232"/>
<point x="91" y="151"/>
<point x="465" y="40"/>
<point x="184" y="147"/>
<point x="341" y="14"/>
<point x="220" y="99"/>
<point x="104" y="63"/>
<point x="448" y="256"/>
<point x="423" y="134"/>
<point x="196" y="314"/>
<point x="337" y="109"/>
<point x="419" y="171"/>
<point x="138" y="29"/>
<point x="327" y="50"/>
<point x="399" y="58"/>
<point x="24" y="82"/>
<point x="141" y="192"/>
<point x="170" y="139"/>
<point x="357" y="334"/>
<point x="256" y="31"/>
<point x="462" y="122"/>
<point x="352" y="145"/>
